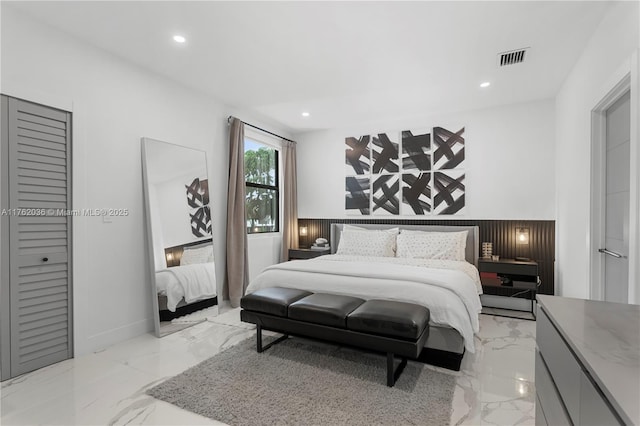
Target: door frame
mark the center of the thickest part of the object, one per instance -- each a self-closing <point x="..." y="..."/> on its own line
<point x="598" y="185"/>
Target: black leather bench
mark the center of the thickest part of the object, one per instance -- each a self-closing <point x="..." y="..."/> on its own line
<point x="395" y="328"/>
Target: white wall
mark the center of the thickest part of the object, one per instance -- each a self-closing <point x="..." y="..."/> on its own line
<point x="606" y="59"/>
<point x="509" y="162"/>
<point x="114" y="104"/>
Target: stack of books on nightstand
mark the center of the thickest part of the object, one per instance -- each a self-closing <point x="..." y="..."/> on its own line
<point x="320" y="246"/>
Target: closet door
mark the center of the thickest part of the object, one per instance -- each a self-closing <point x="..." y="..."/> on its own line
<point x="39" y="235"/>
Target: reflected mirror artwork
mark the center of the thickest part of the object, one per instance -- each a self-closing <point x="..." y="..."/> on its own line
<point x="179" y="230"/>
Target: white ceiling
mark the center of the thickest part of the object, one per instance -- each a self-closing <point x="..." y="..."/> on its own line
<point x="344" y="62"/>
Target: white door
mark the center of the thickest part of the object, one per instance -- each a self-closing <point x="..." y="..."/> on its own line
<point x="616" y="199"/>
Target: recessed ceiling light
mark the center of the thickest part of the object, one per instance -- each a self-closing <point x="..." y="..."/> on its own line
<point x="485" y="84"/>
<point x="305" y="114"/>
<point x="179" y="39"/>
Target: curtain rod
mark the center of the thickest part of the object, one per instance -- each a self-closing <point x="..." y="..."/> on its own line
<point x="259" y="128"/>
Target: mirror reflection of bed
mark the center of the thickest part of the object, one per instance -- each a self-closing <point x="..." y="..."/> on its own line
<point x="179" y="229"/>
<point x="189" y="269"/>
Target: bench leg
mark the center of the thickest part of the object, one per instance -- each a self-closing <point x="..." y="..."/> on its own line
<point x="259" y="338"/>
<point x="392" y="373"/>
<point x="259" y="346"/>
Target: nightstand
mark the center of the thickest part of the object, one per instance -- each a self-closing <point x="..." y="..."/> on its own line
<point x="517" y="275"/>
<point x="307" y="253"/>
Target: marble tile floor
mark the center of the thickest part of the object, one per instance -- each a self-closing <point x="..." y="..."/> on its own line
<point x="494" y="387"/>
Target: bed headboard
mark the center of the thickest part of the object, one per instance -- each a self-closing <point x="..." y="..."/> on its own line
<point x="176" y="251"/>
<point x="471" y="253"/>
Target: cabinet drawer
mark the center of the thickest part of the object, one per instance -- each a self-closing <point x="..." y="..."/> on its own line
<point x="561" y="364"/>
<point x="540" y="420"/>
<point x="550" y="409"/>
<point x="508" y="268"/>
<point x="594" y="411"/>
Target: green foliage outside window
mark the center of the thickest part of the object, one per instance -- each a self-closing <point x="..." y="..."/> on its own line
<point x="261" y="177"/>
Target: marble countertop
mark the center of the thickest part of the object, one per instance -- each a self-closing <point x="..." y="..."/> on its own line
<point x="605" y="337"/>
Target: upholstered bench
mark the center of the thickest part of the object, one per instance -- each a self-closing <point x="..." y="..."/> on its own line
<point x="395" y="328"/>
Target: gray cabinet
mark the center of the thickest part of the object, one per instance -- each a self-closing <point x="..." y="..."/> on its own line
<point x="35" y="285"/>
<point x="565" y="393"/>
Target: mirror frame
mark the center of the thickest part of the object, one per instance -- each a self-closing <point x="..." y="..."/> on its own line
<point x="145" y="141"/>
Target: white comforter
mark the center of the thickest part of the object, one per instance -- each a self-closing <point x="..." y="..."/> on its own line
<point x="449" y="289"/>
<point x="193" y="282"/>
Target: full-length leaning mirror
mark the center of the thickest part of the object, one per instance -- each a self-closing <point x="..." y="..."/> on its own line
<point x="179" y="237"/>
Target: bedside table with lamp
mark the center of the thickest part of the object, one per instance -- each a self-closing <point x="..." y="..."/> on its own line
<point x="519" y="274"/>
<point x="319" y="248"/>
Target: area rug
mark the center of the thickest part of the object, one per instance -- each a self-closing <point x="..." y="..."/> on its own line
<point x="300" y="382"/>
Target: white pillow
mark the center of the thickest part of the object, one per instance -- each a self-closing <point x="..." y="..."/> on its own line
<point x="347" y="227"/>
<point x="379" y="243"/>
<point x="432" y="245"/>
<point x="192" y="256"/>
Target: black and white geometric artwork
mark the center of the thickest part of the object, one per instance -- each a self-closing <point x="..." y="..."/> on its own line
<point x="384" y="154"/>
<point x="357" y="195"/>
<point x="448" y="192"/>
<point x="448" y="149"/>
<point x="385" y="194"/>
<point x="406" y="173"/>
<point x="416" y="150"/>
<point x="198" y="200"/>
<point x="416" y="193"/>
<point x="357" y="155"/>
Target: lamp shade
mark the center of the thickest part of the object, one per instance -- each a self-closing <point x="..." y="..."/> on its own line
<point x="303" y="231"/>
<point x="522" y="236"/>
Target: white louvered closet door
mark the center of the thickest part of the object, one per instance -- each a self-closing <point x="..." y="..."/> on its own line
<point x="40" y="235"/>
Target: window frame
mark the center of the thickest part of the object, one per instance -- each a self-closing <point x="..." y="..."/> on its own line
<point x="276" y="146"/>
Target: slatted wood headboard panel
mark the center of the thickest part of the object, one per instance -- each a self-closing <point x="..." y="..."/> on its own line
<point x="502" y="233"/>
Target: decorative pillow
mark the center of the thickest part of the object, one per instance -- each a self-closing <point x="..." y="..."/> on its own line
<point x="368" y="243"/>
<point x="432" y="245"/>
<point x="191" y="256"/>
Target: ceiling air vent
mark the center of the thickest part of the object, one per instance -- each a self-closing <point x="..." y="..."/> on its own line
<point x="512" y="57"/>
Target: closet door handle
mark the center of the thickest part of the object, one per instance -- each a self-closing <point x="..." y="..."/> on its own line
<point x="610" y="253"/>
<point x="45" y="259"/>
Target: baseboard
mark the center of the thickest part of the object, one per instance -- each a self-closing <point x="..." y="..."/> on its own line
<point x="107" y="338"/>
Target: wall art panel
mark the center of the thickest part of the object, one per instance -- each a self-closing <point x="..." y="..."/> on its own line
<point x="385" y="194"/>
<point x="357" y="195"/>
<point x="448" y="192"/>
<point x="416" y="151"/>
<point x="416" y="193"/>
<point x="384" y="153"/>
<point x="448" y="149"/>
<point x="357" y="156"/>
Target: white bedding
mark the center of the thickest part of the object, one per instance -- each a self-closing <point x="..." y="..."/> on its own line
<point x="191" y="282"/>
<point x="450" y="289"/>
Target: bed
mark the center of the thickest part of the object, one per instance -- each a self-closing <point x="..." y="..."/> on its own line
<point x="449" y="288"/>
<point x="188" y="283"/>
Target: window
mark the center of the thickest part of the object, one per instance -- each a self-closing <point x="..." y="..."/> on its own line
<point x="262" y="187"/>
